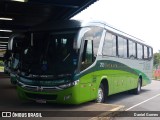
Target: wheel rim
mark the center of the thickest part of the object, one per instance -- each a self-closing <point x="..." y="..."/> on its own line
<point x="100" y="95"/>
<point x="139" y="86"/>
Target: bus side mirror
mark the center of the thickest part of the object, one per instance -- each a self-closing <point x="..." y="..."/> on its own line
<point x="11" y="40"/>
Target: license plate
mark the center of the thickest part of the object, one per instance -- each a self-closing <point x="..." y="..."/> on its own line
<point x="41" y="101"/>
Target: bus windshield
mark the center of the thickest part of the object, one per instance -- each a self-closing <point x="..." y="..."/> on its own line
<point x="53" y="54"/>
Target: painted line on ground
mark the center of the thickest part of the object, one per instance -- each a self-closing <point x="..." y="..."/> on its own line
<point x="104" y="115"/>
<point x="142" y="102"/>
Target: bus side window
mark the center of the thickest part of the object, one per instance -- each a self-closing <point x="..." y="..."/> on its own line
<point x="109" y="47"/>
<point x="87" y="57"/>
<point x="132" y="49"/>
<point x="139" y="51"/>
<point x="122" y="47"/>
<point x="150" y="53"/>
<point x="145" y="53"/>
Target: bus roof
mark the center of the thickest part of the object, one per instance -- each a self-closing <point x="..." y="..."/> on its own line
<point x="70" y="24"/>
<point x="114" y="30"/>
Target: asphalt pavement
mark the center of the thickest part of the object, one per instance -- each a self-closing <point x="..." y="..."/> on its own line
<point x="142" y="105"/>
<point x="145" y="103"/>
<point x="9" y="102"/>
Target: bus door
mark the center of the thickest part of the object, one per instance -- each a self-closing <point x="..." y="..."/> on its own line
<point x="87" y="72"/>
<point x="89" y="50"/>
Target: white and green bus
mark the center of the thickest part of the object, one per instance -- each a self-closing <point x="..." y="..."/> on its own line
<point x="73" y="62"/>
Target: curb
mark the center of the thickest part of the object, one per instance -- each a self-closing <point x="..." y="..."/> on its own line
<point x="108" y="115"/>
<point x="156" y="79"/>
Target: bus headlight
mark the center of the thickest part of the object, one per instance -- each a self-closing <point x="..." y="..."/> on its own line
<point x="65" y="85"/>
<point x="75" y="82"/>
<point x="69" y="84"/>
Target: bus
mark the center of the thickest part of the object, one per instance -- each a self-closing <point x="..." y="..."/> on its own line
<point x="72" y="62"/>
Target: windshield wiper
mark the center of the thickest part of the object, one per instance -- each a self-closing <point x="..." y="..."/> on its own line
<point x="66" y="57"/>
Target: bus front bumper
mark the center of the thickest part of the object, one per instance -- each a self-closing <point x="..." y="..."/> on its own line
<point x="67" y="96"/>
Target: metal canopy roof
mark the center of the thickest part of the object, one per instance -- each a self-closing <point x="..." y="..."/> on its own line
<point x="36" y="12"/>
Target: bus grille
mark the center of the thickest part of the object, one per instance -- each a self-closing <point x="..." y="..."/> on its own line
<point x="41" y="96"/>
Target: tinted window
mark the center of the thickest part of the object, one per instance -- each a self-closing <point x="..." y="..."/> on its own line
<point x="145" y="53"/>
<point x="92" y="39"/>
<point x="139" y="51"/>
<point x="87" y="58"/>
<point x="109" y="47"/>
<point x="94" y="34"/>
<point x="122" y="47"/>
<point x="52" y="54"/>
<point x="132" y="49"/>
<point x="150" y="53"/>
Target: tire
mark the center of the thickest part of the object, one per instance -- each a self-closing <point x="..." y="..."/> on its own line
<point x="138" y="89"/>
<point x="101" y="96"/>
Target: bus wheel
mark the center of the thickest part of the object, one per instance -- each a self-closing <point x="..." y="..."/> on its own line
<point x="101" y="94"/>
<point x="138" y="89"/>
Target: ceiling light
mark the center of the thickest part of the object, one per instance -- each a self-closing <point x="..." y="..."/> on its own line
<point x="2" y="49"/>
<point x="3" y="42"/>
<point x="5" y="30"/>
<point x="3" y="45"/>
<point x="21" y="0"/>
<point x="4" y="37"/>
<point x="4" y="18"/>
